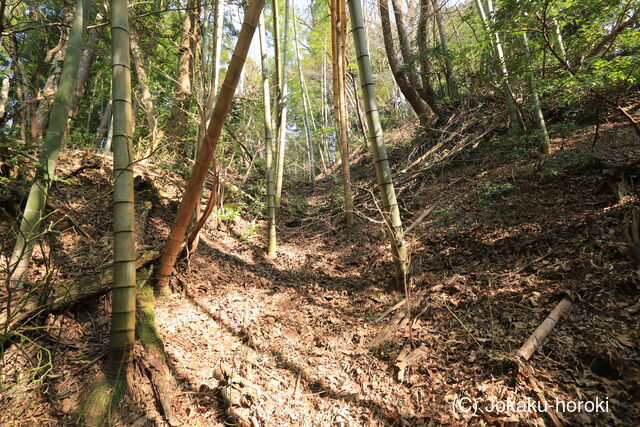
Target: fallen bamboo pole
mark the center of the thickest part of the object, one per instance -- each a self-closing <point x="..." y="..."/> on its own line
<point x="534" y="341"/>
<point x="65" y="296"/>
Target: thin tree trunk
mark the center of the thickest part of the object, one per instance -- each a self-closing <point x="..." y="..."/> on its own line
<point x="452" y="86"/>
<point x="58" y="122"/>
<point x="4" y="95"/>
<point x="510" y="101"/>
<point x="358" y="108"/>
<point x="207" y="149"/>
<point x="177" y="124"/>
<point x="22" y="90"/>
<point x="284" y="102"/>
<point x="429" y="94"/>
<point x="107" y="144"/>
<point x="405" y="50"/>
<point x="155" y="133"/>
<point x="85" y="68"/>
<point x="272" y="244"/>
<point x="40" y="116"/>
<point x="323" y="83"/>
<point x="535" y="101"/>
<point x="123" y="311"/>
<point x="339" y="35"/>
<point x="105" y="119"/>
<point x="556" y="36"/>
<point x="217" y="31"/>
<point x="391" y="212"/>
<point x="307" y="131"/>
<point x="418" y="105"/>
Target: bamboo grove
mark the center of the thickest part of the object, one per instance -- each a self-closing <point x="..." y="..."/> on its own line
<point x="182" y="83"/>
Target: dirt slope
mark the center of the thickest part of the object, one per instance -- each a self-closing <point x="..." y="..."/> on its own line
<point x="290" y="339"/>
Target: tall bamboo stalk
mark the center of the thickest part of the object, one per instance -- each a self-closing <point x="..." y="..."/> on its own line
<point x="516" y="121"/>
<point x="339" y="35"/>
<point x="305" y="122"/>
<point x="284" y="102"/>
<point x="57" y="127"/>
<point x="278" y="73"/>
<point x="218" y="23"/>
<point x="452" y="85"/>
<point x="217" y="30"/>
<point x="272" y="245"/>
<point x="123" y="311"/>
<point x="391" y="212"/>
<point x="556" y="36"/>
<point x="207" y="149"/>
<point x="535" y="100"/>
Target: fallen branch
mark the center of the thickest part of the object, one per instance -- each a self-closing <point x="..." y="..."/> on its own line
<point x="534" y="341"/>
<point x="419" y="219"/>
<point x="407" y="357"/>
<point x="398" y="321"/>
<point x="391" y="310"/>
<point x="65" y="296"/>
<point x="96" y="164"/>
<point x="67" y="215"/>
<point x="238" y="394"/>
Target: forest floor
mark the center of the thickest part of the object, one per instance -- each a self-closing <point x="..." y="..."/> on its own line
<point x="302" y="335"/>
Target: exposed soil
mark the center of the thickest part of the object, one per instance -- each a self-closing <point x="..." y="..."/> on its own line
<point x="289" y="339"/>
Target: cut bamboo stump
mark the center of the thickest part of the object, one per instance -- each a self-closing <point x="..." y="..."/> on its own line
<point x="534" y="341"/>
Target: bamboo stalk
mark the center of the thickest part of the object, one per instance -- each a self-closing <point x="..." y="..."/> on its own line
<point x="284" y="102"/>
<point x="268" y="141"/>
<point x="123" y="316"/>
<point x="307" y="131"/>
<point x="338" y="50"/>
<point x="534" y="341"/>
<point x="535" y="100"/>
<point x="516" y="124"/>
<point x="56" y="129"/>
<point x="391" y="212"/>
<point x="207" y="149"/>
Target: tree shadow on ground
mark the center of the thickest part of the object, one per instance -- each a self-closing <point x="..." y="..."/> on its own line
<point x="312" y="384"/>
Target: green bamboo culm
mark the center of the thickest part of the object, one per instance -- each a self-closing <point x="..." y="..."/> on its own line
<point x="305" y="117"/>
<point x="545" y="147"/>
<point x="272" y="244"/>
<point x="501" y="65"/>
<point x="56" y="129"/>
<point x="383" y="171"/>
<point x="284" y="102"/>
<point x="123" y="308"/>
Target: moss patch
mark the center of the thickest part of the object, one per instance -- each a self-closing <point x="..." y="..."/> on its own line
<point x="146" y="319"/>
<point x="101" y="403"/>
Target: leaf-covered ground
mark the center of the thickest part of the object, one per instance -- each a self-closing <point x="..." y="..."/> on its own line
<point x="288" y="341"/>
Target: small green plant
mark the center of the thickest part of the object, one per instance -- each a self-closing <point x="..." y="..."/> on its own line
<point x="231" y="211"/>
<point x="491" y="191"/>
<point x="298" y="205"/>
<point x="447" y="215"/>
<point x="558" y="162"/>
<point x="248" y="234"/>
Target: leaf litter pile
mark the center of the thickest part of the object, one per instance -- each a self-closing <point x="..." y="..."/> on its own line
<point x="316" y="337"/>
